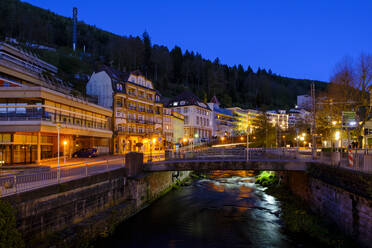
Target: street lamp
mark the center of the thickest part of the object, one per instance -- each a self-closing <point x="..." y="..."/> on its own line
<point x="58" y="131"/>
<point x="337" y="137"/>
<point x="64" y="149"/>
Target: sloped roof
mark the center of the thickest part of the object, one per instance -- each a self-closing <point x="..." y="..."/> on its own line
<point x="137" y="73"/>
<point x="187" y="98"/>
<point x="116" y="74"/>
<point x="223" y="111"/>
<point x="215" y="100"/>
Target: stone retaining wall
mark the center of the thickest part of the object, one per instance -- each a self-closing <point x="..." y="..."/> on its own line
<point x="342" y="196"/>
<point x="75" y="212"/>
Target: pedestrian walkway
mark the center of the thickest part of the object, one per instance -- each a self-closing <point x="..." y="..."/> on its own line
<point x="72" y="170"/>
<point x="52" y="163"/>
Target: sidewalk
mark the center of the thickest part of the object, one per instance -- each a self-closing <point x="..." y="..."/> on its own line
<point x="72" y="161"/>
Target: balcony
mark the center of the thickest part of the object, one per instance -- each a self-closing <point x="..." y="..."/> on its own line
<point x="131" y="93"/>
<point x="132" y="120"/>
<point x="132" y="107"/>
<point x="125" y="130"/>
<point x="12" y="119"/>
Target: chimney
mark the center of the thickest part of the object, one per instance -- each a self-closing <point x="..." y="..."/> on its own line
<point x="74" y="14"/>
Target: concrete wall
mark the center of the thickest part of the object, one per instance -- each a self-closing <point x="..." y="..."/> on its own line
<point x="340" y="195"/>
<point x="73" y="213"/>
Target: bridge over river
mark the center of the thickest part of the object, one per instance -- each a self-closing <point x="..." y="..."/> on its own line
<point x="233" y="159"/>
<point x="278" y="159"/>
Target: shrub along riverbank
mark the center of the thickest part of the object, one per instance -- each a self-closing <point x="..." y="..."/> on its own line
<point x="299" y="219"/>
<point x="9" y="235"/>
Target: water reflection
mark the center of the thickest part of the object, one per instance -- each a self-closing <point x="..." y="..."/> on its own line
<point x="225" y="210"/>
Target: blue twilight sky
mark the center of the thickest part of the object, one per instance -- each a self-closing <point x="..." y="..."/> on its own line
<point x="295" y="38"/>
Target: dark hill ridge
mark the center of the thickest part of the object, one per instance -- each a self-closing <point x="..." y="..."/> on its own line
<point x="172" y="71"/>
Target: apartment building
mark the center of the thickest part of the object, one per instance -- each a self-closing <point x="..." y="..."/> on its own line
<point x="297" y="116"/>
<point x="245" y="119"/>
<point x="278" y="118"/>
<point x="35" y="105"/>
<point x="178" y="124"/>
<point x="304" y="102"/>
<point x="173" y="126"/>
<point x="137" y="111"/>
<point x="197" y="115"/>
<point x="223" y="120"/>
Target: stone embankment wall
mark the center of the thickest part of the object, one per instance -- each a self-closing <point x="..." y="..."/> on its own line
<point x="73" y="213"/>
<point x="343" y="196"/>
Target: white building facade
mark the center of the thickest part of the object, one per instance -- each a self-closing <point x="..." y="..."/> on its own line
<point x="197" y="116"/>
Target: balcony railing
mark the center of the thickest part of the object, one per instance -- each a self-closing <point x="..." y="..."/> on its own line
<point x="131" y="120"/>
<point x="63" y="119"/>
<point x="131" y="131"/>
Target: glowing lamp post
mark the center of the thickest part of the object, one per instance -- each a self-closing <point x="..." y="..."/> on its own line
<point x="64" y="149"/>
<point x="337" y="137"/>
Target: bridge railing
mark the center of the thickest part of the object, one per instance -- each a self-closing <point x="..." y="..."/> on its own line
<point x="361" y="162"/>
<point x="228" y="154"/>
<point x="16" y="183"/>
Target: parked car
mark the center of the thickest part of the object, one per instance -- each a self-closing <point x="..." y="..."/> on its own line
<point x="85" y="153"/>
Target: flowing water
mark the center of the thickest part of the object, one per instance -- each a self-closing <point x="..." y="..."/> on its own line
<point x="225" y="210"/>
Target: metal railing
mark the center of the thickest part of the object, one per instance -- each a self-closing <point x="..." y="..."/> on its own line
<point x="361" y="161"/>
<point x="234" y="154"/>
<point x="16" y="183"/>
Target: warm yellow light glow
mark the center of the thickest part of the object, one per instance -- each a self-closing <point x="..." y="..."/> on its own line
<point x="145" y="141"/>
<point x="241" y="138"/>
<point x="184" y="140"/>
<point x="337" y="135"/>
<point x="304" y="134"/>
<point x="302" y="138"/>
<point x="65" y="142"/>
<point x="154" y="140"/>
<point x="222" y="138"/>
<point x="334" y="123"/>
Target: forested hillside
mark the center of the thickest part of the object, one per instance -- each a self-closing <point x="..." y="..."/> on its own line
<point x="171" y="70"/>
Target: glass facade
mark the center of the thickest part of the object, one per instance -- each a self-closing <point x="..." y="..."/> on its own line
<point x="38" y="109"/>
<point x="22" y="148"/>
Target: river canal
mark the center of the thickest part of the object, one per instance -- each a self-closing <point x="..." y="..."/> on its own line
<point x="225" y="210"/>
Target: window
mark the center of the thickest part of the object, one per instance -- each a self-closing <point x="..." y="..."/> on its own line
<point x="197" y="120"/>
<point x="119" y="103"/>
<point x="186" y="120"/>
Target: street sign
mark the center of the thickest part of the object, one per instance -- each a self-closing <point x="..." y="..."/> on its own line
<point x="349" y="119"/>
